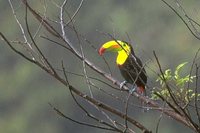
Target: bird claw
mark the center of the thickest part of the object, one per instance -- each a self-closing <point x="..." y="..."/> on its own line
<point x="133" y="89"/>
<point x="122" y="84"/>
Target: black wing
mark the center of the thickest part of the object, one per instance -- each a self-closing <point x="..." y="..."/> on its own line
<point x="133" y="71"/>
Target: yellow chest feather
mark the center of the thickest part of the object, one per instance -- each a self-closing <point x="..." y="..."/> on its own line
<point x="121" y="57"/>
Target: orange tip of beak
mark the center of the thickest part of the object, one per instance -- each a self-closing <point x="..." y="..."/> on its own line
<point x="101" y="51"/>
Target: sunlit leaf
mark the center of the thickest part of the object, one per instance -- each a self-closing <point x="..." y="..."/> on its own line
<point x="178" y="68"/>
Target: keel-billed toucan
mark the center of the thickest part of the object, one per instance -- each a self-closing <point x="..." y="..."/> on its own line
<point x="129" y="64"/>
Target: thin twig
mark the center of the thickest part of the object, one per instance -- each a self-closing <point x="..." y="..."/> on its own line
<point x="92" y="116"/>
<point x="15" y="50"/>
<point x="196" y="95"/>
<point x="159" y="120"/>
<point x="78" y="122"/>
<point x="64" y="72"/>
<point x="173" y="98"/>
<point x="110" y="109"/>
<point x="40" y="25"/>
<point x="30" y="50"/>
<point x="34" y="43"/>
<point x="190" y="74"/>
<point x="83" y="56"/>
<point x="47" y="26"/>
<point x="85" y="72"/>
<point x="166" y="84"/>
<point x="189" y="19"/>
<point x="126" y="112"/>
<point x="76" y="12"/>
<point x="197" y="37"/>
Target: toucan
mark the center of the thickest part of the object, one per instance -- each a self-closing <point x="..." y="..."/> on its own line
<point x="129" y="64"/>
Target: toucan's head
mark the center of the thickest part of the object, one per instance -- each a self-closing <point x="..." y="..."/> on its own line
<point x="122" y="48"/>
<point x="115" y="46"/>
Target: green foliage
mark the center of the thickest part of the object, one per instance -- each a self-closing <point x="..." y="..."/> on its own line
<point x="178" y="86"/>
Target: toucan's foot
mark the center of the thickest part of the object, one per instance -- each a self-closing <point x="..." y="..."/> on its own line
<point x="133" y="89"/>
<point x="122" y="84"/>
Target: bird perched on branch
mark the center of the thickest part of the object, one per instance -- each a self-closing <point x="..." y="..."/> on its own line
<point x="129" y="64"/>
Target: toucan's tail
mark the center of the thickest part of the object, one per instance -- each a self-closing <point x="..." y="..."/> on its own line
<point x="141" y="90"/>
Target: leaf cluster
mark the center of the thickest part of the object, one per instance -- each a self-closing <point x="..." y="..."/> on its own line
<point x="178" y="86"/>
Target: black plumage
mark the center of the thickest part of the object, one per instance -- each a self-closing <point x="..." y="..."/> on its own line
<point x="133" y="71"/>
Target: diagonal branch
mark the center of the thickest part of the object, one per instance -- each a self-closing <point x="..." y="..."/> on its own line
<point x="79" y="93"/>
<point x="81" y="123"/>
<point x="182" y="19"/>
<point x="184" y="113"/>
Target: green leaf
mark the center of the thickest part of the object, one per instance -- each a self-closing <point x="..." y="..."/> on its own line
<point x="180" y="92"/>
<point x="178" y="68"/>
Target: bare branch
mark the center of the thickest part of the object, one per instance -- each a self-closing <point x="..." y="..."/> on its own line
<point x="182" y="19"/>
<point x="15" y="50"/>
<point x="81" y="123"/>
<point x="126" y="112"/>
<point x="110" y="109"/>
<point x="190" y="74"/>
<point x="30" y="49"/>
<point x="92" y="116"/>
<point x="196" y="93"/>
<point x="159" y="120"/>
<point x="48" y="27"/>
<point x="173" y="98"/>
<point x="76" y="12"/>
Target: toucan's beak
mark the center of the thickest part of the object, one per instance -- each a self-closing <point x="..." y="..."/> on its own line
<point x="112" y="46"/>
<point x="102" y="50"/>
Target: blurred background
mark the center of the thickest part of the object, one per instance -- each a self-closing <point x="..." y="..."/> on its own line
<point x="26" y="90"/>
